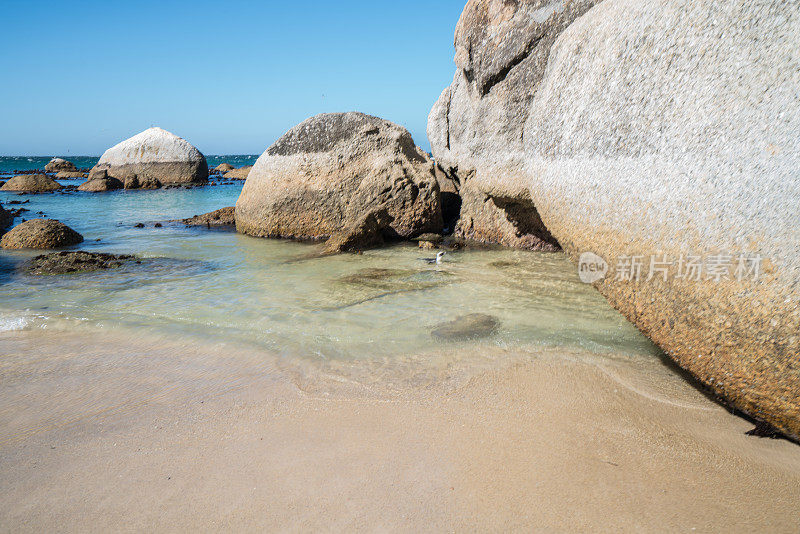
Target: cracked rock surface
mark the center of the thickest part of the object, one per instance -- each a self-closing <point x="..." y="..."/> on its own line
<point x="476" y="126"/>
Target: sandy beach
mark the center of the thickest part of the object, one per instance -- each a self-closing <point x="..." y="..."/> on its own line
<point x="166" y="437"/>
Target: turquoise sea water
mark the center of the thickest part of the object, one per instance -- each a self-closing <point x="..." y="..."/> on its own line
<point x="210" y="286"/>
<point x="9" y="164"/>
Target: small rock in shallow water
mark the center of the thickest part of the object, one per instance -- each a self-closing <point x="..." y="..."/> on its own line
<point x="40" y="233"/>
<point x="34" y="183"/>
<point x="75" y="262"/>
<point x="96" y="185"/>
<point x="472" y="326"/>
<point x="220" y="217"/>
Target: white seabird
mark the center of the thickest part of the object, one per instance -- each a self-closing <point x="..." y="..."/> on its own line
<point x="437" y="260"/>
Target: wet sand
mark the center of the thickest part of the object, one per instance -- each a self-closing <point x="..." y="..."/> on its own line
<point x="102" y="432"/>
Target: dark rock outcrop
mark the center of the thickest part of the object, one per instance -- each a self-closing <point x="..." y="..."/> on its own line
<point x="6" y="219"/>
<point x="74" y="262"/>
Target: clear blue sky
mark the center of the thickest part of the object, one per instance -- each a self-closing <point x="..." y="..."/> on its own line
<point x="229" y="76"/>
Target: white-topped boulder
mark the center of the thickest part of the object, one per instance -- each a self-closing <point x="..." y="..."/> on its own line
<point x="155" y="155"/>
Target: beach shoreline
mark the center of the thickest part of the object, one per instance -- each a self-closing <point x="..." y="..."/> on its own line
<point x="177" y="436"/>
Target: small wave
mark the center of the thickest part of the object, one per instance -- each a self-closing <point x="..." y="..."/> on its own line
<point x="14" y="323"/>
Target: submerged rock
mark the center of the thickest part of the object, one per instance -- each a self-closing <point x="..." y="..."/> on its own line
<point x="369" y="284"/>
<point x="330" y="170"/>
<point x="31" y="183"/>
<point x="101" y="184"/>
<point x="151" y="159"/>
<point x="73" y="262"/>
<point x="59" y="164"/>
<point x="220" y="217"/>
<point x="374" y="276"/>
<point x="40" y="233"/>
<point x="466" y="327"/>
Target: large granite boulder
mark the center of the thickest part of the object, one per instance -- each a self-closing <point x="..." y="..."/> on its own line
<point x="31" y="183"/>
<point x="663" y="138"/>
<point x="475" y="128"/>
<point x="59" y="164"/>
<point x="332" y="169"/>
<point x="154" y="157"/>
<point x="673" y="128"/>
<point x="40" y="233"/>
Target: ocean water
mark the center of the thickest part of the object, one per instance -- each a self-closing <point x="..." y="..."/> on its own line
<point x="10" y="164"/>
<point x="211" y="286"/>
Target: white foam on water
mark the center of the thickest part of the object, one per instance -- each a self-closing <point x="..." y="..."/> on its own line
<point x="12" y="323"/>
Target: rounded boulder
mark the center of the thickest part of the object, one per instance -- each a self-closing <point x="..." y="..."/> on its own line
<point x="40" y="234"/>
<point x="154" y="156"/>
<point x="330" y="170"/>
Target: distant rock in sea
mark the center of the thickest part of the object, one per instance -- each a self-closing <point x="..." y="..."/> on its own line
<point x="31" y="183"/>
<point x="222" y="168"/>
<point x="40" y="233"/>
<point x="662" y="139"/>
<point x="238" y="174"/>
<point x="151" y="159"/>
<point x="328" y="172"/>
<point x="58" y="164"/>
<point x="100" y="184"/>
<point x="69" y="175"/>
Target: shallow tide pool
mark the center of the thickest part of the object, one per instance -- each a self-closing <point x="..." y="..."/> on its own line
<point x="210" y="286"/>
